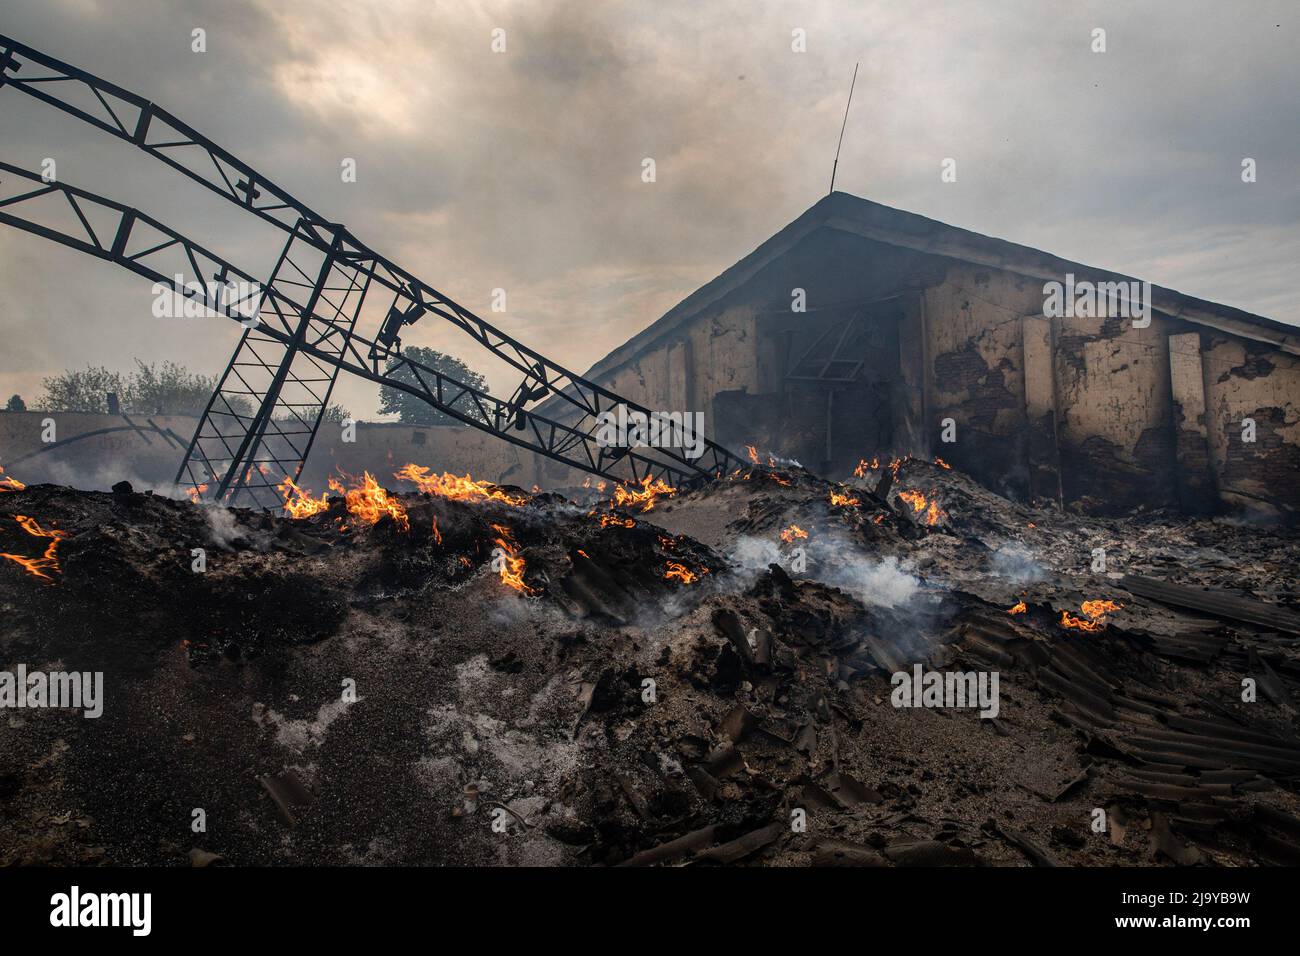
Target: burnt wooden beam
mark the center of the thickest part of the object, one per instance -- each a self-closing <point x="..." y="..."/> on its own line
<point x="1221" y="604"/>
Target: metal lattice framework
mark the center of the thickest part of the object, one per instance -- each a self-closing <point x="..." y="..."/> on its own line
<point x="305" y="324"/>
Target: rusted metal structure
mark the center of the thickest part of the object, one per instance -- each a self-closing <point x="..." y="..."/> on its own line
<point x="331" y="304"/>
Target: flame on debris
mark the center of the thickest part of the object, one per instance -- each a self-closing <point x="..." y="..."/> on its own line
<point x="448" y="485"/>
<point x="1096" y="612"/>
<point x="369" y="502"/>
<point x="650" y="489"/>
<point x="792" y="532"/>
<point x="196" y="491"/>
<point x="864" y="466"/>
<point x="617" y="521"/>
<point x="1096" y="609"/>
<point x="297" y="502"/>
<point x="10" y="484"/>
<point x="919" y="503"/>
<point x="943" y="464"/>
<point x="753" y="453"/>
<point x="843" y="501"/>
<point x="680" y="572"/>
<point x="49" y="561"/>
<point x="512" y="569"/>
<point x="1020" y="608"/>
<point x="437" y="535"/>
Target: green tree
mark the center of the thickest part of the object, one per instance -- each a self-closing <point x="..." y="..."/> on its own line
<point x="169" y="390"/>
<point x="84" y="390"/>
<point x="336" y="414"/>
<point x="415" y="411"/>
<point x="16" y="404"/>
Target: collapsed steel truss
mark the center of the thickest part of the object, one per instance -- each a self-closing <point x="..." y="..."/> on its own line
<point x="301" y="324"/>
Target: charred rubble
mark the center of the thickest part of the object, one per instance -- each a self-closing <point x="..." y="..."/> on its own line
<point x="460" y="676"/>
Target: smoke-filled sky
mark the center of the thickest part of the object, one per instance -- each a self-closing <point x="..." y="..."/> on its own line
<point x="521" y="170"/>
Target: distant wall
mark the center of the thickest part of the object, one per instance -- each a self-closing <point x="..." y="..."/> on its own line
<point x="96" y="451"/>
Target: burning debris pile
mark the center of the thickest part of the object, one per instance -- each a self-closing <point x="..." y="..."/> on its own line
<point x="899" y="669"/>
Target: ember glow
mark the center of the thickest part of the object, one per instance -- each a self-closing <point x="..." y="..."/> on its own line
<point x="651" y="488"/>
<point x="10" y="484"/>
<point x="368" y="501"/>
<point x="297" y="502"/>
<point x="49" y="561"/>
<point x="843" y="501"/>
<point x="793" y="532"/>
<point x="1020" y="608"/>
<point x="448" y="485"/>
<point x="512" y="567"/>
<point x="943" y="464"/>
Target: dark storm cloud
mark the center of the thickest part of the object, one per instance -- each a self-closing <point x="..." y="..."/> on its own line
<point x="521" y="170"/>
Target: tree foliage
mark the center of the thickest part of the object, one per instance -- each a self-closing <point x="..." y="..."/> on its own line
<point x="169" y="389"/>
<point x="415" y="411"/>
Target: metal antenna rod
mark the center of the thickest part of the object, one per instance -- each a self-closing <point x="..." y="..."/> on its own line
<point x="842" y="125"/>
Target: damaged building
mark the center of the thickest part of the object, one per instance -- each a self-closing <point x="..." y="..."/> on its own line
<point x="860" y="329"/>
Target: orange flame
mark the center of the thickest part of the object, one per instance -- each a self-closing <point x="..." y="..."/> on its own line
<point x="299" y="503"/>
<point x="10" y="484"/>
<point x="841" y="501"/>
<point x="369" y="502"/>
<point x="919" y="503"/>
<point x="49" y="561"/>
<point x="650" y="489"/>
<point x="864" y="466"/>
<point x="617" y="521"/>
<point x="913" y="498"/>
<point x="753" y="453"/>
<point x="1095" y="610"/>
<point x="792" y="532"/>
<point x="437" y="535"/>
<point x="943" y="464"/>
<point x="512" y="567"/>
<point x="1069" y="620"/>
<point x="196" y="491"/>
<point x="448" y="485"/>
<point x="680" y="572"/>
<point x="1020" y="608"/>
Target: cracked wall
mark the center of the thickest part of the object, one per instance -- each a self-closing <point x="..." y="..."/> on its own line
<point x="1249" y="380"/>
